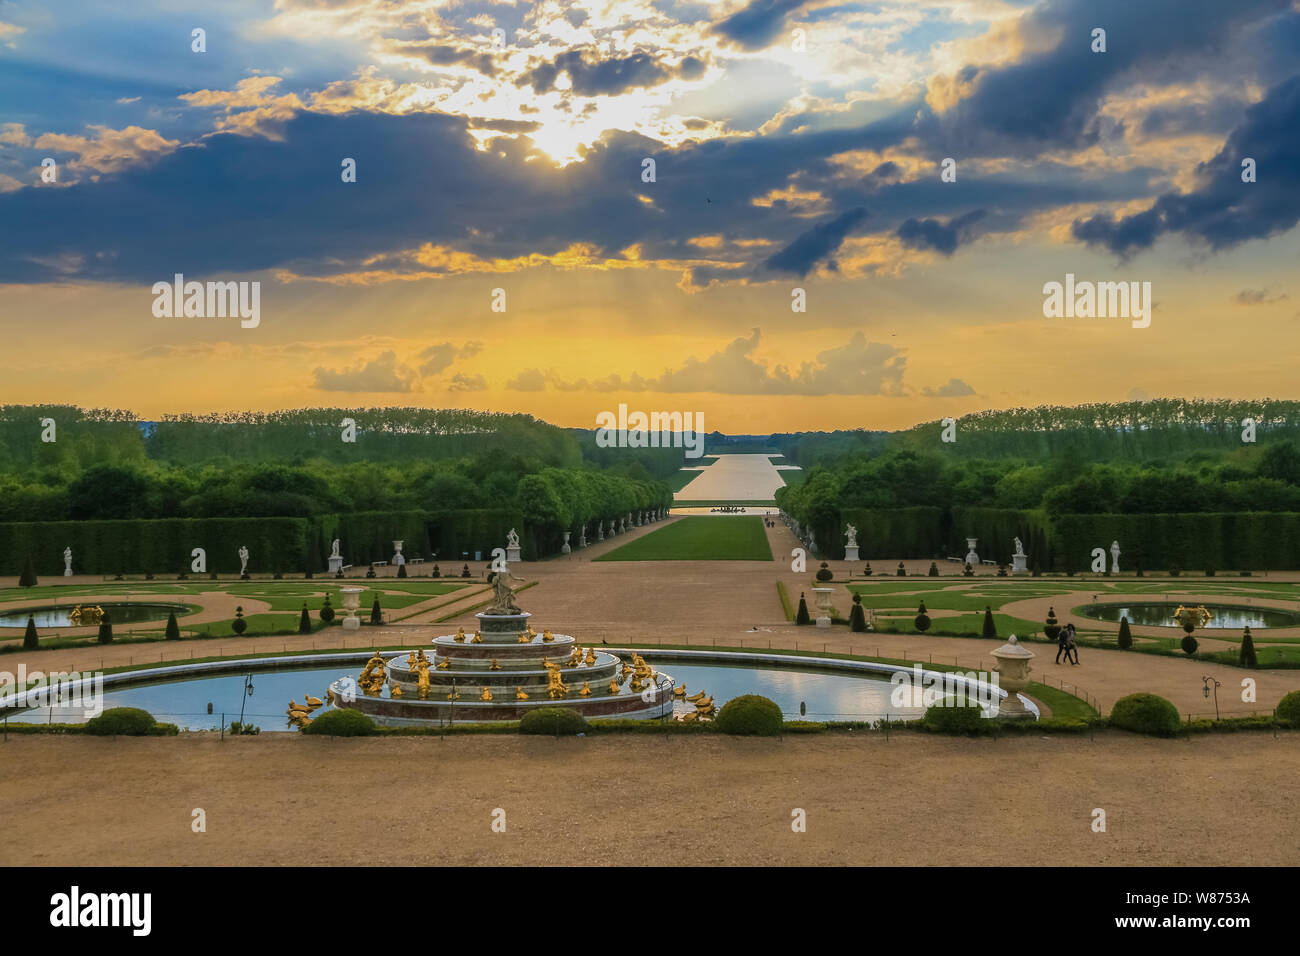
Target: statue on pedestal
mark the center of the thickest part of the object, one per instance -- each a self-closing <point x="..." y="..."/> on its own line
<point x="505" y="594"/>
<point x="1114" y="557"/>
<point x="67" y="562"/>
<point x="243" y="559"/>
<point x="851" y="547"/>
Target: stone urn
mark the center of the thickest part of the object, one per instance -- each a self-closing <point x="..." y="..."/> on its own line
<point x="972" y="558"/>
<point x="351" y="601"/>
<point x="1013" y="676"/>
<point x="823" y="605"/>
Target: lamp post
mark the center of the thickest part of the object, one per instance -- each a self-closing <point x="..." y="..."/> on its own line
<point x="1205" y="690"/>
<point x="248" y="692"/>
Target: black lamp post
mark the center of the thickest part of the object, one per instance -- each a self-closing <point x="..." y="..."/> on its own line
<point x="1205" y="690"/>
<point x="248" y="692"/>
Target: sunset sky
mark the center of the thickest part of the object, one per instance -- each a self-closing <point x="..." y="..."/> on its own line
<point x="796" y="145"/>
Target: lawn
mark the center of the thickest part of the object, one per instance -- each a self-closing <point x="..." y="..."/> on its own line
<point x="739" y="538"/>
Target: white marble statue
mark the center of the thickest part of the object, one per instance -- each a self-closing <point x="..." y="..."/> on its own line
<point x="67" y="562"/>
<point x="1020" y="548"/>
<point x="512" y="538"/>
<point x="334" y="549"/>
<point x="243" y="559"/>
<point x="1114" y="557"/>
<point x="852" y="533"/>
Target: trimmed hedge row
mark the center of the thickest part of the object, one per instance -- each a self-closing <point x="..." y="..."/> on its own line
<point x="164" y="545"/>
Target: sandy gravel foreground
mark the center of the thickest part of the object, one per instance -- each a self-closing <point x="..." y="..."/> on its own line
<point x="289" y="801"/>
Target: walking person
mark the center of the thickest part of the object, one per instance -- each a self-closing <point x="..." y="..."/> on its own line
<point x="1063" y="644"/>
<point x="1071" y="646"/>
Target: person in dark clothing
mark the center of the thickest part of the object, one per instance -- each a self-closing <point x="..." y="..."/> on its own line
<point x="1063" y="644"/>
<point x="1071" y="646"/>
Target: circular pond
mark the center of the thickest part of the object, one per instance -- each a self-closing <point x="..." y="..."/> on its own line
<point x="60" y="616"/>
<point x="1224" y="616"/>
<point x="825" y="695"/>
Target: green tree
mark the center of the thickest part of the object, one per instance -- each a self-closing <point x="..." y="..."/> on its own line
<point x="990" y="630"/>
<point x="106" y="629"/>
<point x="173" y="631"/>
<point x="1124" y="640"/>
<point x="31" y="641"/>
<point x="28" y="578"/>
<point x="304" y="620"/>
<point x="1247" y="657"/>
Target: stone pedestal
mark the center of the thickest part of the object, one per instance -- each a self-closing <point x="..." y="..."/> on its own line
<point x="336" y="564"/>
<point x="398" y="557"/>
<point x="1018" y="563"/>
<point x="351" y="601"/>
<point x="823" y="605"/>
<point x="512" y="555"/>
<point x="1013" y="676"/>
<point x="564" y="548"/>
<point x="972" y="558"/>
<point x="851" y="554"/>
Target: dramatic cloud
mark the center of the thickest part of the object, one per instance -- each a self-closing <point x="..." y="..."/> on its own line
<point x="1223" y="210"/>
<point x="461" y="382"/>
<point x="758" y="23"/>
<point x="939" y="236"/>
<point x="380" y="374"/>
<point x="815" y="245"/>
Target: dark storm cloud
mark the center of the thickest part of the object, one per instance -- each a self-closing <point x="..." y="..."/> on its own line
<point x="758" y="24"/>
<point x="939" y="236"/>
<point x="1052" y="99"/>
<point x="1224" y="211"/>
<point x="593" y="76"/>
<point x="445" y="55"/>
<point x="815" y="245"/>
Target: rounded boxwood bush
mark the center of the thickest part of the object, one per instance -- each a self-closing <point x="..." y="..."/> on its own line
<point x="824" y="573"/>
<point x="964" y="718"/>
<point x="341" y="723"/>
<point x="1288" y="709"/>
<point x="750" y="715"/>
<point x="556" y="721"/>
<point x="1189" y="645"/>
<point x="123" y="722"/>
<point x="922" y="621"/>
<point x="327" y="611"/>
<point x="239" y="625"/>
<point x="1145" y="714"/>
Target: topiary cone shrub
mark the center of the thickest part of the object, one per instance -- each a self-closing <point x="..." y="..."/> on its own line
<point x="342" y="723"/>
<point x="857" y="617"/>
<point x="964" y="718"/>
<point x="1124" y="640"/>
<point x="326" y="611"/>
<point x="464" y="572"/>
<point x="239" y="625"/>
<point x="105" y="629"/>
<point x="1247" y="657"/>
<point x="1189" y="645"/>
<point x="922" y="621"/>
<point x="968" y="571"/>
<point x="376" y="615"/>
<point x="28" y="578"/>
<point x="990" y="630"/>
<point x="902" y="572"/>
<point x="1288" y="709"/>
<point x="824" y="573"/>
<point x="401" y="570"/>
<point x="1145" y="714"/>
<point x="31" y="640"/>
<point x="1002" y="570"/>
<point x="934" y="570"/>
<point x="1052" y="627"/>
<point x="866" y="572"/>
<point x="801" y="616"/>
<point x="437" y="572"/>
<point x="750" y="715"/>
<point x="173" y="630"/>
<point x="556" y="721"/>
<point x="304" y="620"/>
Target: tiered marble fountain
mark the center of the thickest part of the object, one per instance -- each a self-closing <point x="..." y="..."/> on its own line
<point x="501" y="673"/>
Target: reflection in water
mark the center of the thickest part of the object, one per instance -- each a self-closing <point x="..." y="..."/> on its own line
<point x="184" y="702"/>
<point x="118" y="614"/>
<point x="1162" y="615"/>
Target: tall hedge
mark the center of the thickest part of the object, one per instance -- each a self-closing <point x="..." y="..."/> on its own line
<point x="1254" y="540"/>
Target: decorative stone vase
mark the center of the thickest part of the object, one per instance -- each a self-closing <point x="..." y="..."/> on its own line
<point x="1013" y="676"/>
<point x="972" y="558"/>
<point x="823" y="606"/>
<point x="564" y="548"/>
<point x="351" y="601"/>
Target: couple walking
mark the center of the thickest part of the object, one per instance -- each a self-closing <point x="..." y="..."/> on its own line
<point x="1065" y="643"/>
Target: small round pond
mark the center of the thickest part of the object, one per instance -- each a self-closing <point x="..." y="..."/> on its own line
<point x="825" y="694"/>
<point x="1224" y="616"/>
<point x="60" y="616"/>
